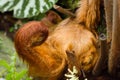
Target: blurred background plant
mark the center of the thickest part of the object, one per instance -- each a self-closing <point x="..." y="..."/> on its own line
<point x="10" y="72"/>
<point x="11" y="68"/>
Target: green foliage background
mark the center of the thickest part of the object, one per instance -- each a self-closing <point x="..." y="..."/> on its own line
<point x="11" y="68"/>
<point x="26" y="8"/>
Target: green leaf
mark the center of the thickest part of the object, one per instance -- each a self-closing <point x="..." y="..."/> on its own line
<point x="4" y="63"/>
<point x="26" y="8"/>
<point x="6" y="5"/>
<point x="8" y="76"/>
<point x="21" y="74"/>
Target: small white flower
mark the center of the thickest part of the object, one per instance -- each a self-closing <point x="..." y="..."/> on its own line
<point x="72" y="75"/>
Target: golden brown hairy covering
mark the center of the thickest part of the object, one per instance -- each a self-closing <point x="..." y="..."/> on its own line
<point x="88" y="13"/>
<point x="46" y="54"/>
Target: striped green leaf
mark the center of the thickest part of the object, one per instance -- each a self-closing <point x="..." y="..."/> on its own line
<point x="26" y="8"/>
